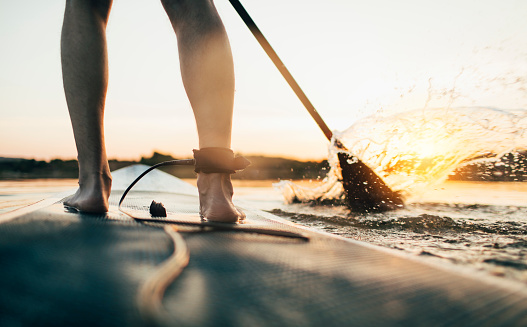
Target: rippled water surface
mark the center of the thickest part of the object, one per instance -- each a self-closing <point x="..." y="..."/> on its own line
<point x="482" y="226"/>
<point x="19" y="193"/>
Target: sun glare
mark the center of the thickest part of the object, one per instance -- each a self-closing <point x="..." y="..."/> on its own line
<point x="426" y="149"/>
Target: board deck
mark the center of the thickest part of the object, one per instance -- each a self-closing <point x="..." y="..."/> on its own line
<point x="63" y="268"/>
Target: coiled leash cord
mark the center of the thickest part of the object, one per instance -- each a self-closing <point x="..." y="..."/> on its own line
<point x="183" y="162"/>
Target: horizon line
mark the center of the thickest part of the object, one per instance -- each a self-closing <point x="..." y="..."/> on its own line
<point x="137" y="159"/>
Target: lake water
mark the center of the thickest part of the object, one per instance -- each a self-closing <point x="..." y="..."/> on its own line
<point x="481" y="226"/>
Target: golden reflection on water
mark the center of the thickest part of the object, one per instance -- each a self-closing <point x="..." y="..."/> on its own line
<point x="20" y="186"/>
<point x="488" y="193"/>
<point x="15" y="194"/>
<point x="19" y="193"/>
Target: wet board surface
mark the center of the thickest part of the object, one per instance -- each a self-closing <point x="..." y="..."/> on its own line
<point x="63" y="268"/>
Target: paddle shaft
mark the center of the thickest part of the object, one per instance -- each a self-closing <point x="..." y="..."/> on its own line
<point x="281" y="67"/>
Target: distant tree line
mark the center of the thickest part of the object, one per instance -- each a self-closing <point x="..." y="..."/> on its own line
<point x="261" y="168"/>
<point x="511" y="167"/>
<point x="15" y="168"/>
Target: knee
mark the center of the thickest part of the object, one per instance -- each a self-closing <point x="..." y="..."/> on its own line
<point x="183" y="4"/>
<point x="100" y="8"/>
<point x="188" y="9"/>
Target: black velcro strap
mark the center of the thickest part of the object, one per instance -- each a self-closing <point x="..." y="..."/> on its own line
<point x="218" y="160"/>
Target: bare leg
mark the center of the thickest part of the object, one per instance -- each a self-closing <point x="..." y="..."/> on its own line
<point x="85" y="77"/>
<point x="208" y="76"/>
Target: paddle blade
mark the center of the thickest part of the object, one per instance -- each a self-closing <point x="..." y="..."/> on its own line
<point x="365" y="191"/>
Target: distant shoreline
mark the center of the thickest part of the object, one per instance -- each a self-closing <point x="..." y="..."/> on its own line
<point x="510" y="168"/>
<point x="261" y="168"/>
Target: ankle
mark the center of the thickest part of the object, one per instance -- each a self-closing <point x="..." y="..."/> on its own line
<point x="206" y="181"/>
<point x="96" y="179"/>
<point x="95" y="171"/>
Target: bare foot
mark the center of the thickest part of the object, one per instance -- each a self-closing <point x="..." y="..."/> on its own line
<point x="215" y="198"/>
<point x="92" y="195"/>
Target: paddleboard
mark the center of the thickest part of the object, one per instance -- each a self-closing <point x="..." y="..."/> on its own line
<point x="131" y="269"/>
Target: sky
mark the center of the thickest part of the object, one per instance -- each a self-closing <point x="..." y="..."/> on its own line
<point x="352" y="58"/>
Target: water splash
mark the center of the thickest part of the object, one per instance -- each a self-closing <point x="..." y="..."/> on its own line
<point x="413" y="151"/>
